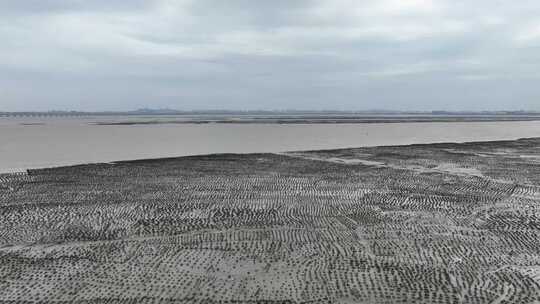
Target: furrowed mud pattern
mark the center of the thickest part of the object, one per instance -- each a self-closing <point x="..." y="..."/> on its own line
<point x="441" y="223"/>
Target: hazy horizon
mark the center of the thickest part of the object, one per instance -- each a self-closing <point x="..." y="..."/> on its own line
<point x="217" y="110"/>
<point x="416" y="55"/>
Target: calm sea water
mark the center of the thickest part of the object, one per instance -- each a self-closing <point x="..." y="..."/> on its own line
<point x="46" y="142"/>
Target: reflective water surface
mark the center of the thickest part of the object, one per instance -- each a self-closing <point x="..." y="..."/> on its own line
<point x="45" y="142"/>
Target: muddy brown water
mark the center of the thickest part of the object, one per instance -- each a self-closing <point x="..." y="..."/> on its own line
<point x="48" y="142"/>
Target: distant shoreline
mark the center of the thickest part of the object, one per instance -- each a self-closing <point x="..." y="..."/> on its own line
<point x="167" y="112"/>
<point x="321" y="120"/>
<point x="276" y="117"/>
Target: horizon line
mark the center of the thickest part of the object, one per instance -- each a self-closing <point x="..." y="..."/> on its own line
<point x="232" y="111"/>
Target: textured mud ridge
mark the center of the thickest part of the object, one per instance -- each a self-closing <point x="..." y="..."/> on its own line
<point x="441" y="223"/>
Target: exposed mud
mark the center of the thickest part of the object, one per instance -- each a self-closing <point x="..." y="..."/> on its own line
<point x="436" y="223"/>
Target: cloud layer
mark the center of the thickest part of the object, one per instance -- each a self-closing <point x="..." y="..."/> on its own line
<point x="282" y="54"/>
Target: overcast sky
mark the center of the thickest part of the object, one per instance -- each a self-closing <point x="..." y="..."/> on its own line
<point x="279" y="54"/>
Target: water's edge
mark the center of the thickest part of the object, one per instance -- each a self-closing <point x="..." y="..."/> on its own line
<point x="127" y="161"/>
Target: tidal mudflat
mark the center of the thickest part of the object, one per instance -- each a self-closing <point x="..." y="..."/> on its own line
<point x="48" y="142"/>
<point x="435" y="223"/>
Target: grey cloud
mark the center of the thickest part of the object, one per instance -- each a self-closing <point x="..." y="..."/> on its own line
<point x="320" y="54"/>
<point x="49" y="6"/>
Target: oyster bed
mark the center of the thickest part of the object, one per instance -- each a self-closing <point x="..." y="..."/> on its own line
<point x="435" y="223"/>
